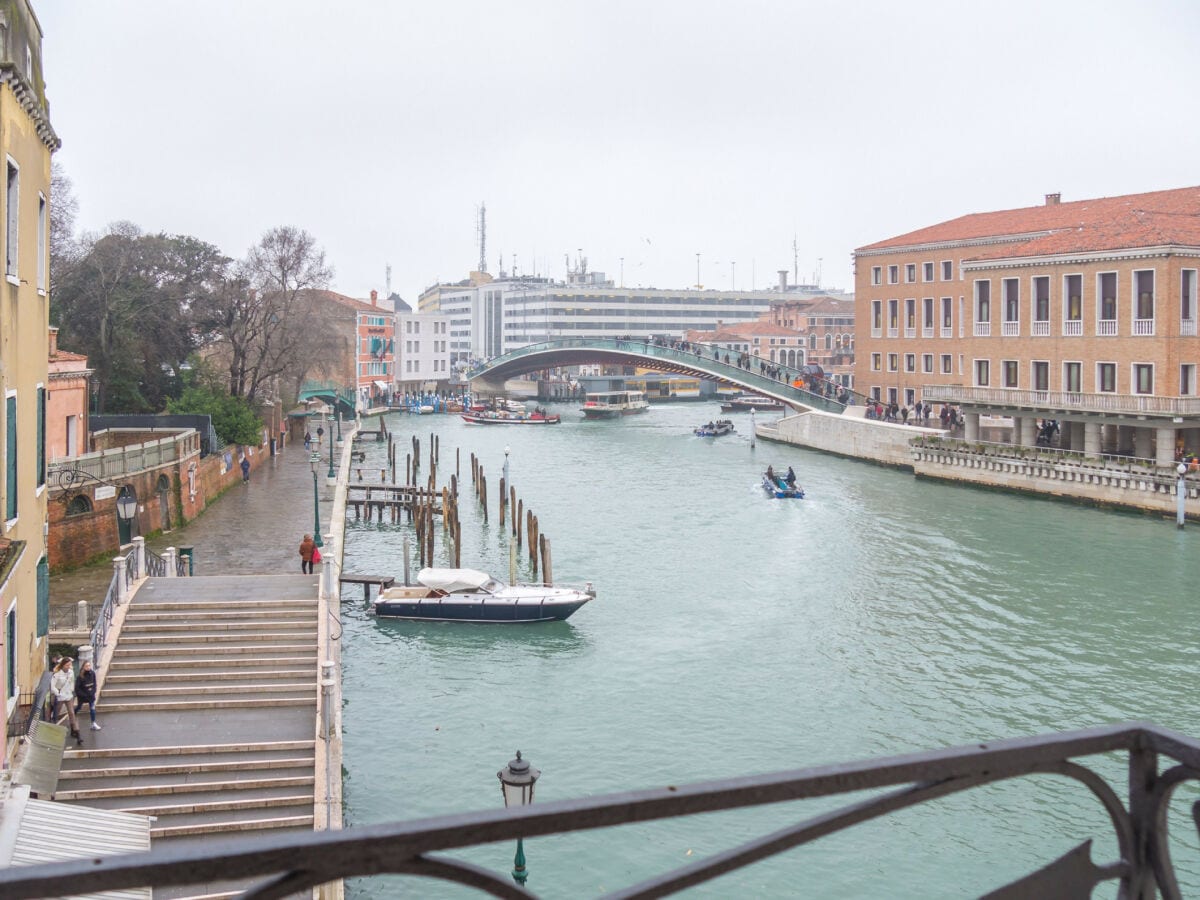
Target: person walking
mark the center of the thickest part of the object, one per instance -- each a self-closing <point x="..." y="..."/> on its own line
<point x="85" y="691"/>
<point x="245" y="470"/>
<point x="307" y="548"/>
<point x="307" y="441"/>
<point x="62" y="685"/>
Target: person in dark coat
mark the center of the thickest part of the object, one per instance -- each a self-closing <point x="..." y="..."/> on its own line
<point x="85" y="691"/>
<point x="307" y="546"/>
<point x="245" y="470"/>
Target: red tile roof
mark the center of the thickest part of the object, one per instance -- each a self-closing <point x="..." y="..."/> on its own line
<point x="343" y="300"/>
<point x="1106" y="223"/>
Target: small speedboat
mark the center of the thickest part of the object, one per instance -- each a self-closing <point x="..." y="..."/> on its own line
<point x="468" y="595"/>
<point x="777" y="486"/>
<point x="714" y="429"/>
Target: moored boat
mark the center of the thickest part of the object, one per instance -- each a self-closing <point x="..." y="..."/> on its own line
<point x="468" y="595"/>
<point x="747" y="402"/>
<point x="781" y="486"/>
<point x="714" y="429"/>
<point x="612" y="404"/>
<point x="501" y="417"/>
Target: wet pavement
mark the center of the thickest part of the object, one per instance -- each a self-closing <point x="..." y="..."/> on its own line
<point x="251" y="529"/>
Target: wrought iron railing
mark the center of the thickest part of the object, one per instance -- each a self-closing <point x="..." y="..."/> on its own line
<point x="104" y="620"/>
<point x="182" y="565"/>
<point x="131" y="568"/>
<point x="289" y="864"/>
<point x="156" y="566"/>
<point x="65" y="617"/>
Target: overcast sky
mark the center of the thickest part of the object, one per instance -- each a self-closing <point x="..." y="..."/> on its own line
<point x="646" y="130"/>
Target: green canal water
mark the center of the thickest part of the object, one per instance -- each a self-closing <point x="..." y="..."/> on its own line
<point x="733" y="634"/>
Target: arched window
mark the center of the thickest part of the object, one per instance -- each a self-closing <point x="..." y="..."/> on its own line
<point x="79" y="505"/>
<point x="791" y="357"/>
<point x="829" y="342"/>
<point x="164" y="485"/>
<point x="812" y="342"/>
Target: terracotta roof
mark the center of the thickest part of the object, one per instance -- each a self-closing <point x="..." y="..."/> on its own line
<point x="1129" y="230"/>
<point x="343" y="300"/>
<point x="67" y="356"/>
<point x="831" y="306"/>
<point x="1121" y="220"/>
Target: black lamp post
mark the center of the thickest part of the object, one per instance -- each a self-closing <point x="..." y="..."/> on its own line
<point x="338" y="415"/>
<point x="312" y="462"/>
<point x="516" y="783"/>
<point x="331" y="476"/>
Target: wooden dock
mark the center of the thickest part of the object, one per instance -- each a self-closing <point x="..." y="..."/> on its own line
<point x="388" y="502"/>
<point x="383" y="581"/>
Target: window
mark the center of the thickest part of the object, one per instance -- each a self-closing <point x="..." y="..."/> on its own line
<point x="947" y="315"/>
<point x="1106" y="378"/>
<point x="1187" y="299"/>
<point x="893" y="274"/>
<point x="910" y="362"/>
<point x="41" y="435"/>
<point x="43" y="597"/>
<point x="893" y="318"/>
<point x="910" y="317"/>
<point x="981" y="372"/>
<point x="927" y="316"/>
<point x="10" y="457"/>
<point x="13" y="220"/>
<point x="983" y="308"/>
<point x="1041" y="301"/>
<point x="947" y="270"/>
<point x="1073" y="377"/>
<point x="947" y="364"/>
<point x="79" y="505"/>
<point x="877" y="275"/>
<point x="1143" y="299"/>
<point x="829" y="342"/>
<point x="1107" y="284"/>
<point x="927" y="271"/>
<point x="927" y="363"/>
<point x="41" y="245"/>
<point x="10" y="646"/>
<point x="1011" y="377"/>
<point x="893" y="362"/>
<point x="1073" y="292"/>
<point x="1143" y="378"/>
<point x="876" y="362"/>
<point x="1041" y="376"/>
<point x="1187" y="380"/>
<point x="910" y="273"/>
<point x="1012" y="306"/>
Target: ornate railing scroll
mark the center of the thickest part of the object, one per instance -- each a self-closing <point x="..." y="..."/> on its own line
<point x="287" y="864"/>
<point x="156" y="566"/>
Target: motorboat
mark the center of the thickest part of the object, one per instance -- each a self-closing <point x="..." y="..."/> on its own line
<point x="779" y="487"/>
<point x="714" y="429"/>
<point x="502" y="417"/>
<point x="613" y="404"/>
<point x="747" y="402"/>
<point x="468" y="595"/>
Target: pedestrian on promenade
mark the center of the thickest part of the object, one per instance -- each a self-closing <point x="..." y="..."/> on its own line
<point x="62" y="684"/>
<point x="307" y="441"/>
<point x="307" y="548"/>
<point x="245" y="470"/>
<point x="85" y="691"/>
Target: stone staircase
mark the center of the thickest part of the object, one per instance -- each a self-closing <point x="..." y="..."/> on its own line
<point x="208" y="710"/>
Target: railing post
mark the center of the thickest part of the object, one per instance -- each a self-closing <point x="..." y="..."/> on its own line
<point x="139" y="556"/>
<point x="81" y="615"/>
<point x="168" y="556"/>
<point x="1143" y="773"/>
<point x="119" y="575"/>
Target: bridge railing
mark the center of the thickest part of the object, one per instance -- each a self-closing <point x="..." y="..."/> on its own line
<point x="700" y="359"/>
<point x="1144" y="764"/>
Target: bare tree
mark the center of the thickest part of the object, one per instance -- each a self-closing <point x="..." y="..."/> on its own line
<point x="64" y="248"/>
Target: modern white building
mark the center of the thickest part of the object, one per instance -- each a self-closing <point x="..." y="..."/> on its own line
<point x="422" y="352"/>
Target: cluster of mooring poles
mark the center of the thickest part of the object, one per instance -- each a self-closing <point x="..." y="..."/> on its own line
<point x="522" y="523"/>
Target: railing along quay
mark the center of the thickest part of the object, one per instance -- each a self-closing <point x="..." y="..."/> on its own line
<point x="291" y="863"/>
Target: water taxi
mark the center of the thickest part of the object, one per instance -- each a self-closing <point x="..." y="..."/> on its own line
<point x="611" y="404"/>
<point x="781" y="486"/>
<point x="714" y="429"/>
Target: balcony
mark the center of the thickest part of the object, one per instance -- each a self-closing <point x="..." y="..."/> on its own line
<point x="983" y="329"/>
<point x="1187" y="327"/>
<point x="1073" y="328"/>
<point x="1061" y="401"/>
<point x="1106" y="327"/>
<point x="1041" y="329"/>
<point x="910" y="331"/>
<point x="1143" y="327"/>
<point x="893" y="331"/>
<point x="927" y="331"/>
<point x="1010" y="329"/>
<point x="947" y="331"/>
<point x="1129" y="771"/>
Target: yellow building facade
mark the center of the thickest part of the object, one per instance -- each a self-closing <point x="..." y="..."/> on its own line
<point x="27" y="141"/>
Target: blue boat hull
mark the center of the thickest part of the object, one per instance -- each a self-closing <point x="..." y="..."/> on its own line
<point x="779" y="489"/>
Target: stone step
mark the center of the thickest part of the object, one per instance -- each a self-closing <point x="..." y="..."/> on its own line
<point x="237" y="650"/>
<point x="191" y="637"/>
<point x="192" y="768"/>
<point x="197" y="807"/>
<point x="111" y="693"/>
<point x="185" y="674"/>
<point x="211" y="626"/>
<point x="137" y="615"/>
<point x="207" y="705"/>
<point x="155" y="606"/>
<point x="173" y="750"/>
<point x="225" y="827"/>
<point x="139" y="789"/>
<point x="137" y="663"/>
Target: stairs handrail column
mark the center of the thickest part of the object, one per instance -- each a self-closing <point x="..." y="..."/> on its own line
<point x="169" y="561"/>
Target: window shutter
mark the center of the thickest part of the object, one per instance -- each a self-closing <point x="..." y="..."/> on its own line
<point x="41" y="436"/>
<point x="10" y="458"/>
<point x="43" y="597"/>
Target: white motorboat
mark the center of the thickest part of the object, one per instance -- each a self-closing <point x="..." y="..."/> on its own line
<point x="468" y="595"/>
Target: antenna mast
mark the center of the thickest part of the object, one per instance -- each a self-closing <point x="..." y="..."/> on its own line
<point x="795" y="262"/>
<point x="388" y="280"/>
<point x="481" y="233"/>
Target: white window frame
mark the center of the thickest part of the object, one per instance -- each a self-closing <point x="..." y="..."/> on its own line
<point x="1133" y="381"/>
<point x="986" y="369"/>
<point x="1039" y="327"/>
<point x="1033" y="364"/>
<point x="947" y="273"/>
<point x="1099" y="381"/>
<point x="1142" y="327"/>
<point x="1004" y="370"/>
<point x="12" y="223"/>
<point x="982" y="328"/>
<point x="927" y="363"/>
<point x="893" y="274"/>
<point x="876" y="275"/>
<point x="11" y="702"/>
<point x="947" y="363"/>
<point x="927" y="271"/>
<point x="1066" y="381"/>
<point x="1109" y="326"/>
<point x="1187" y="385"/>
<point x="910" y="273"/>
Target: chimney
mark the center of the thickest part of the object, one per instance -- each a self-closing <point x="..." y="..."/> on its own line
<point x="783" y="279"/>
<point x="1053" y="199"/>
<point x="53" y="341"/>
<point x="374" y="298"/>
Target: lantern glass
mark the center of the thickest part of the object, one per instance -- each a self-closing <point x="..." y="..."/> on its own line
<point x="516" y="782"/>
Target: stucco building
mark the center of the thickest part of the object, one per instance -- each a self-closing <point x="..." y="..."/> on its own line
<point x="1082" y="312"/>
<point x="28" y="140"/>
<point x="67" y="401"/>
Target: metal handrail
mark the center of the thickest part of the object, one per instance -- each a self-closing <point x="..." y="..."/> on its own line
<point x="181" y="565"/>
<point x="103" y="620"/>
<point x="1133" y="404"/>
<point x="288" y="864"/>
<point x="156" y="566"/>
<point x="131" y="569"/>
<point x="697" y="360"/>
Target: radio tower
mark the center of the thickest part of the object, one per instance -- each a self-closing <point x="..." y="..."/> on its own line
<point x="481" y="231"/>
<point x="388" y="280"/>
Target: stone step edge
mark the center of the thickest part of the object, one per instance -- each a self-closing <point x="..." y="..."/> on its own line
<point x="192" y="691"/>
<point x="222" y="827"/>
<point x="140" y="605"/>
<point x="191" y="787"/>
<point x="174" y="750"/>
<point x="184" y="769"/>
<point x="214" y="637"/>
<point x="219" y="805"/>
<point x="229" y="612"/>
<point x="222" y="661"/>
<point x="269" y="673"/>
<point x="170" y="653"/>
<point x="209" y="705"/>
<point x="142" y="628"/>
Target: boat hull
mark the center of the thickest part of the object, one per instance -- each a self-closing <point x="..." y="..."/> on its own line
<point x="515" y="420"/>
<point x="491" y="610"/>
<point x="592" y="413"/>
<point x="779" y="489"/>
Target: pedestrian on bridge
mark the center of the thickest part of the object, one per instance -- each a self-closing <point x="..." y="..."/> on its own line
<point x="62" y="685"/>
<point x="85" y="691"/>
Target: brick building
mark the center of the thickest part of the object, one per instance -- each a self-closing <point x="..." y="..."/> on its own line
<point x="67" y="399"/>
<point x="369" y="365"/>
<point x="1081" y="312"/>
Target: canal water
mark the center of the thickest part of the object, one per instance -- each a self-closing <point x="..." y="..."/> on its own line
<point x="734" y="634"/>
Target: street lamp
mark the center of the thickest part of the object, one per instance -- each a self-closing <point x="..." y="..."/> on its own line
<point x="338" y="416"/>
<point x="312" y="462"/>
<point x="126" y="504"/>
<point x="516" y="784"/>
<point x="331" y="476"/>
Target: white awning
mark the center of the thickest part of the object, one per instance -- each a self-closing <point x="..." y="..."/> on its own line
<point x="451" y="580"/>
<point x="382" y="385"/>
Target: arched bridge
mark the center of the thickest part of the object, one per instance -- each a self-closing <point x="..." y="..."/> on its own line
<point x="335" y="395"/>
<point x="618" y="352"/>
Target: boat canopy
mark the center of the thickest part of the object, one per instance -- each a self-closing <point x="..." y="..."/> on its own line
<point x="451" y="580"/>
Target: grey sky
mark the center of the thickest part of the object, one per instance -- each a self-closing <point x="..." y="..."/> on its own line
<point x="628" y="128"/>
